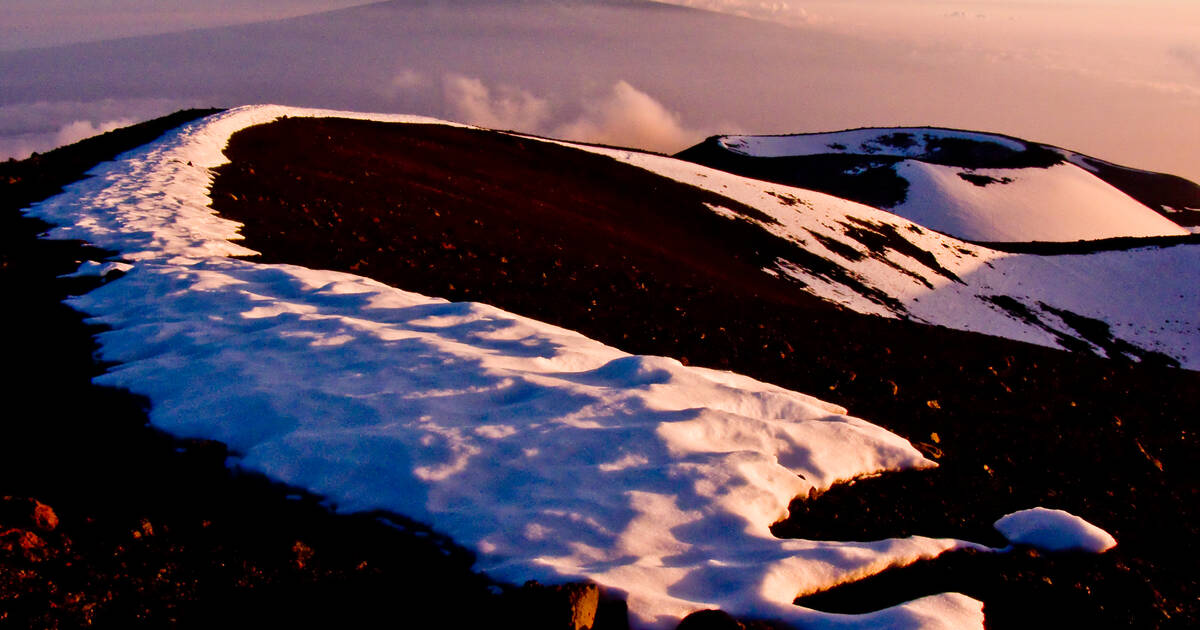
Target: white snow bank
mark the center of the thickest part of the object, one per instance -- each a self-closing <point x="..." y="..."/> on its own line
<point x="553" y="456"/>
<point x="1054" y="530"/>
<point x="550" y="454"/>
<point x="1059" y="203"/>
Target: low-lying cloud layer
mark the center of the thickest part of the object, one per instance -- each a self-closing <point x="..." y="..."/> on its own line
<point x="627" y="116"/>
<point x="40" y="126"/>
<point x="77" y="130"/>
<point x="508" y="107"/>
<point x="622" y="115"/>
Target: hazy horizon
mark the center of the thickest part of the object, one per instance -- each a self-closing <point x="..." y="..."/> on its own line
<point x="1116" y="79"/>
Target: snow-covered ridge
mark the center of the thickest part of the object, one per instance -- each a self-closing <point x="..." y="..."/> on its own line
<point x="478" y="421"/>
<point x="1148" y="298"/>
<point x="171" y="219"/>
<point x="972" y="185"/>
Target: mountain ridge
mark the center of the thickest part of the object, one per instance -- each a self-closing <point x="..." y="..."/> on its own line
<point x="262" y="198"/>
<point x="874" y="165"/>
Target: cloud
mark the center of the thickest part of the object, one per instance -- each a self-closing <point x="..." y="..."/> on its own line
<point x="43" y="125"/>
<point x="623" y="116"/>
<point x="77" y="130"/>
<point x="403" y="83"/>
<point x="22" y="145"/>
<point x="965" y="14"/>
<point x="509" y="108"/>
<point x="629" y="117"/>
<point x="408" y="79"/>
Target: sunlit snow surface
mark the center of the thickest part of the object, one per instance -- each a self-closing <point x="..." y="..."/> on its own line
<point x="551" y="455"/>
<point x="1054" y="530"/>
<point x="1063" y="202"/>
<point x="1148" y="297"/>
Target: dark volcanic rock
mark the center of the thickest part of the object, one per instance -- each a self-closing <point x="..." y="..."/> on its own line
<point x="570" y="606"/>
<point x="709" y="620"/>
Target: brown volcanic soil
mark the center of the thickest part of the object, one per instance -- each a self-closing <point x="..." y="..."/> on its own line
<point x="636" y="261"/>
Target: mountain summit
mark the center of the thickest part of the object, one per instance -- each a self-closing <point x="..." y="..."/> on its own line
<point x="976" y="186"/>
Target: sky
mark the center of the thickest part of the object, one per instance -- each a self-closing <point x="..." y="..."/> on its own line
<point x="1116" y="79"/>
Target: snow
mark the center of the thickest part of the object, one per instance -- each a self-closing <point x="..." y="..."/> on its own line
<point x="1059" y="203"/>
<point x="1054" y="530"/>
<point x="91" y="268"/>
<point x="552" y="455"/>
<point x="1064" y="202"/>
<point x="1149" y="297"/>
<point x="172" y="217"/>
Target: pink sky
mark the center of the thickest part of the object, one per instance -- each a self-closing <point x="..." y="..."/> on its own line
<point x="1118" y="79"/>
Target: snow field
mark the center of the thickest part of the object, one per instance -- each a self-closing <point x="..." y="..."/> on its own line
<point x="553" y="456"/>
<point x="1059" y="203"/>
<point x="1148" y="296"/>
<point x="1063" y="202"/>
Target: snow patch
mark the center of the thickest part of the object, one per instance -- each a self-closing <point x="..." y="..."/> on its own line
<point x="1054" y="530"/>
<point x="1059" y="203"/>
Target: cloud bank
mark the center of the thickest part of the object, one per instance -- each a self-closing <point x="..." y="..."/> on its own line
<point x="508" y="108"/>
<point x="622" y="115"/>
<point x="628" y="117"/>
<point x="40" y="126"/>
<point x="77" y="130"/>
